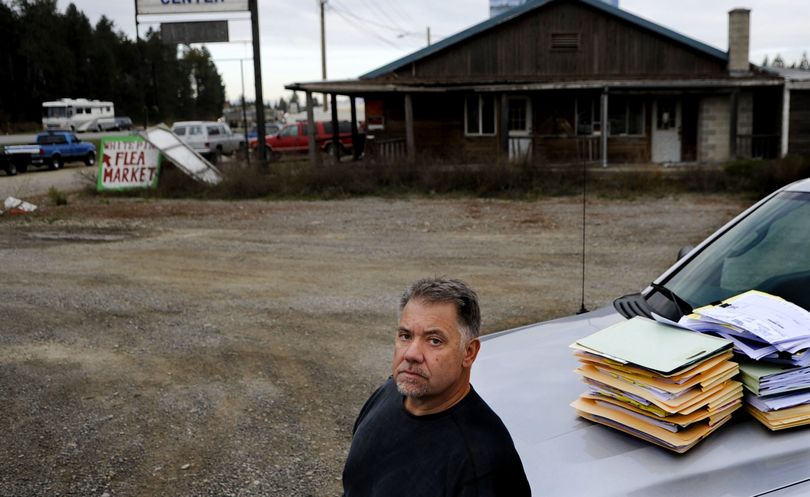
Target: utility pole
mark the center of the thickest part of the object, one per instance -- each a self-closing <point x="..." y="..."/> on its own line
<point x="323" y="52"/>
<point x="257" y="69"/>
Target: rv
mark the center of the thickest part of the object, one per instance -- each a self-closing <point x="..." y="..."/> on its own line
<point x="77" y="114"/>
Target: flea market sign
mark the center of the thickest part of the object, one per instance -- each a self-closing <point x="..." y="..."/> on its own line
<point x="127" y="162"/>
<point x="190" y="6"/>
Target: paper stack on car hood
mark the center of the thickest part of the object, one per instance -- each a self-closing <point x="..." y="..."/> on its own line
<point x="663" y="384"/>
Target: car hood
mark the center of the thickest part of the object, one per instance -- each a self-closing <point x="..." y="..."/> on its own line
<point x="527" y="376"/>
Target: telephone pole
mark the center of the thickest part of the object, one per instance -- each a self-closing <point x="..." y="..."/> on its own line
<point x="323" y="52"/>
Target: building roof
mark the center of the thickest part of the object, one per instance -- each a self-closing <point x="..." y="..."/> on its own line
<point x="530" y="6"/>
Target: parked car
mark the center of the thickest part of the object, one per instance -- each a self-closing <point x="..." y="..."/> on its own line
<point x="53" y="149"/>
<point x="7" y="165"/>
<point x="269" y="130"/>
<point x="114" y="124"/>
<point x="210" y="139"/>
<point x="293" y="138"/>
<point x="526" y="375"/>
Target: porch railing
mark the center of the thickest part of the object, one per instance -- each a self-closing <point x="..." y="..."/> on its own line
<point x="389" y="150"/>
<point x="758" y="146"/>
<point x="589" y="148"/>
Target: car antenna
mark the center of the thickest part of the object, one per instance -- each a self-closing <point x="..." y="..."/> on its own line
<point x="582" y="309"/>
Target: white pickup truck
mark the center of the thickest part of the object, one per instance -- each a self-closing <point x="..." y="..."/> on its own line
<point x="209" y="138"/>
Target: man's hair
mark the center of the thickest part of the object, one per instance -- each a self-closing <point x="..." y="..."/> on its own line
<point x="443" y="290"/>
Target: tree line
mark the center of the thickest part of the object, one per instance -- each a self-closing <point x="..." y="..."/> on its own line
<point x="47" y="55"/>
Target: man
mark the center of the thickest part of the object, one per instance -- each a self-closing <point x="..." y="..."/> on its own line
<point x="426" y="432"/>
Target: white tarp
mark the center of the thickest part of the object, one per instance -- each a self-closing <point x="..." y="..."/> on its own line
<point x="183" y="156"/>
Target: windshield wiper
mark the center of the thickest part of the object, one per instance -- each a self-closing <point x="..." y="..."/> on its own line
<point x="683" y="306"/>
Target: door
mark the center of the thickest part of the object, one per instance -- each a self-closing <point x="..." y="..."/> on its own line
<point x="666" y="132"/>
<point x="519" y="118"/>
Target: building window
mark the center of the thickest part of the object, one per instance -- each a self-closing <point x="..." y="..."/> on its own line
<point x="479" y="115"/>
<point x="589" y="115"/>
<point x="518" y="120"/>
<point x="625" y="116"/>
<point x="565" y="41"/>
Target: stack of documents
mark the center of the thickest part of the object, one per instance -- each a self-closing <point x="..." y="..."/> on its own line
<point x="778" y="396"/>
<point x="774" y="335"/>
<point x="761" y="326"/>
<point x="663" y="384"/>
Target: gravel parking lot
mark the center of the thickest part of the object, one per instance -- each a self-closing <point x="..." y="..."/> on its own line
<point x="189" y="348"/>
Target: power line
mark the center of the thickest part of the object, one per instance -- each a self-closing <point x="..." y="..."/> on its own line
<point x="369" y="21"/>
<point x="364" y="30"/>
<point x="400" y="32"/>
<point x="373" y="6"/>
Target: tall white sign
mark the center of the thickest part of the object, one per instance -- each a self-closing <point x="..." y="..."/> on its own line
<point x="190" y="6"/>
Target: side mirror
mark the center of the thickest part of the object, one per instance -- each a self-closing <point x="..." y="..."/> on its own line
<point x="684" y="251"/>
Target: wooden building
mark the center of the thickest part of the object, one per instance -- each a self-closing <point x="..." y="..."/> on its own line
<point x="561" y="81"/>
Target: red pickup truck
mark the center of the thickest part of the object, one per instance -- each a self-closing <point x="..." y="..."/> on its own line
<point x="293" y="138"/>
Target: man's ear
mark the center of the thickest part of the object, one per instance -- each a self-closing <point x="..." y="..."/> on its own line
<point x="471" y="352"/>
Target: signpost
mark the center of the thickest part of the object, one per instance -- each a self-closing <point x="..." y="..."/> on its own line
<point x="127" y="162"/>
<point x="201" y="32"/>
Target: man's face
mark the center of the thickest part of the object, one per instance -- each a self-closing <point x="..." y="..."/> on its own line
<point x="431" y="368"/>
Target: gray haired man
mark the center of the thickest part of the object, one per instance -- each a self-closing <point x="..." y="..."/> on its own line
<point x="426" y="432"/>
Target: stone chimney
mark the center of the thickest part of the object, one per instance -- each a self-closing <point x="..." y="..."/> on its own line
<point x="739" y="35"/>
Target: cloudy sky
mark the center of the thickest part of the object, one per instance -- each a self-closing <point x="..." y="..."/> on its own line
<point x="363" y="35"/>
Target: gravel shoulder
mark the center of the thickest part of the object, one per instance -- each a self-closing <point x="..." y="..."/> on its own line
<point x="155" y="347"/>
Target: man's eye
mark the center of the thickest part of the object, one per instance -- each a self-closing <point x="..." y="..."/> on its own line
<point x="435" y="341"/>
<point x="404" y="336"/>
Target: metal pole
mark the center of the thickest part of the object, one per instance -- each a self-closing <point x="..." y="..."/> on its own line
<point x="244" y="112"/>
<point x="257" y="69"/>
<point x="605" y="125"/>
<point x="140" y="72"/>
<point x="323" y="53"/>
<point x="428" y="35"/>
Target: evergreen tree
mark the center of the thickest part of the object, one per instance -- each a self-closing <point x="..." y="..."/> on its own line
<point x="804" y="64"/>
<point x="48" y="55"/>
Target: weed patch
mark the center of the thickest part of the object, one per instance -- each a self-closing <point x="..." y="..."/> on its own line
<point x="299" y="179"/>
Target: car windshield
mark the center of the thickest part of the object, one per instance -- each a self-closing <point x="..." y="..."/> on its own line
<point x="769" y="250"/>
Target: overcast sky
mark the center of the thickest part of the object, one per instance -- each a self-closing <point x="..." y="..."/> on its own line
<point x="363" y="35"/>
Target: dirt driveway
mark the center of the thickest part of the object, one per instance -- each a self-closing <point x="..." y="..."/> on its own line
<point x="179" y="348"/>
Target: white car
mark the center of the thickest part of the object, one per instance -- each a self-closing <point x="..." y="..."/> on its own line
<point x="527" y="376"/>
<point x="210" y="139"/>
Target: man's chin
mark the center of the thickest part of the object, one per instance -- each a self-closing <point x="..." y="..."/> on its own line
<point x="411" y="389"/>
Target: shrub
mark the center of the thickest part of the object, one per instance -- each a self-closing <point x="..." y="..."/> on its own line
<point x="57" y="196"/>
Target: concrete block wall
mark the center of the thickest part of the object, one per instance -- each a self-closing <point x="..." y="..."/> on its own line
<point x="714" y="128"/>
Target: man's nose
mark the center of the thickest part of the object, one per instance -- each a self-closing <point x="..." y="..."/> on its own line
<point x="413" y="352"/>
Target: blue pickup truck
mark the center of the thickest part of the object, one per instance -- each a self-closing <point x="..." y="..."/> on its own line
<point x="52" y="149"/>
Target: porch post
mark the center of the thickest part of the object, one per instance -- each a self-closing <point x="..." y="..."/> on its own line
<point x="314" y="156"/>
<point x="410" y="143"/>
<point x="605" y="128"/>
<point x="732" y="144"/>
<point x="335" y="131"/>
<point x="504" y="125"/>
<point x="355" y="134"/>
<point x="785" y="148"/>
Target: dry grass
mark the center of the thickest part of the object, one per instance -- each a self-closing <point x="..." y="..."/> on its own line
<point x="298" y="179"/>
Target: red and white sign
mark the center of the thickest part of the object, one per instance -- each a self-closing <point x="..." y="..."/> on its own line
<point x="128" y="162"/>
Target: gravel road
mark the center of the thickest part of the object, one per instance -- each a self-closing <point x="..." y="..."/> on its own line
<point x="185" y="348"/>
